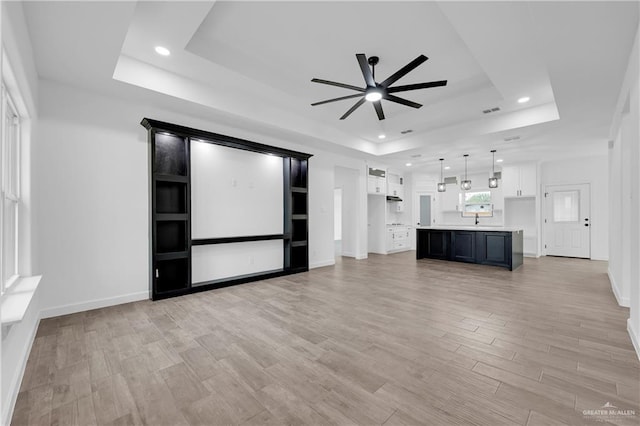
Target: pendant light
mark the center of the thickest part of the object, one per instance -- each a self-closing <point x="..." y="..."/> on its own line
<point x="442" y="187"/>
<point x="466" y="183"/>
<point x="493" y="180"/>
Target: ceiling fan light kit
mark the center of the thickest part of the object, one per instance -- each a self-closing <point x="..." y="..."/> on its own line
<point x="375" y="92"/>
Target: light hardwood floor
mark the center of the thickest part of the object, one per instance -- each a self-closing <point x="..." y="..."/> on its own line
<point x="388" y="340"/>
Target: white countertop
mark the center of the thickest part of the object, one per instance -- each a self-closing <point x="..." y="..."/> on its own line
<point x="473" y="228"/>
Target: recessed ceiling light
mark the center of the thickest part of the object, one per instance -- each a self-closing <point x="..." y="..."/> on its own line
<point x="447" y="167"/>
<point x="499" y="160"/>
<point x="382" y="136"/>
<point x="408" y="164"/>
<point x="160" y="50"/>
<point x="524" y="100"/>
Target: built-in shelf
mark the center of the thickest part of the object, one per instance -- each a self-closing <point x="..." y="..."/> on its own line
<point x="170" y="207"/>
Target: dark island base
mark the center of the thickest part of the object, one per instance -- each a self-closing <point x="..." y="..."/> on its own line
<point x="496" y="248"/>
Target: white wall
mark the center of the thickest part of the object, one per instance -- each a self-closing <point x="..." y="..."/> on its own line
<point x="592" y="170"/>
<point x="347" y="180"/>
<point x="93" y="189"/>
<point x="19" y="74"/>
<point x="624" y="196"/>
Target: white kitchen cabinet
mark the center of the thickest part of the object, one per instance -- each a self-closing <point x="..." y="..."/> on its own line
<point x="450" y="199"/>
<point x="520" y="180"/>
<point x="376" y="181"/>
<point x="398" y="238"/>
<point x="395" y="185"/>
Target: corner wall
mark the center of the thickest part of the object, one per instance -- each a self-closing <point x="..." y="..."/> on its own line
<point x="624" y="195"/>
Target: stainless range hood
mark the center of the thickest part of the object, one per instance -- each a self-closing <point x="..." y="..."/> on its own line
<point x="393" y="198"/>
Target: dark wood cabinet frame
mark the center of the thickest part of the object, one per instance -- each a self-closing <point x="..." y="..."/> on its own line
<point x="170" y="208"/>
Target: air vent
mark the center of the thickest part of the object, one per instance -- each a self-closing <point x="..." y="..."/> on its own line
<point x="416" y="156"/>
<point x="512" y="138"/>
<point x="452" y="180"/>
<point x="490" y="110"/>
<point x="404" y="132"/>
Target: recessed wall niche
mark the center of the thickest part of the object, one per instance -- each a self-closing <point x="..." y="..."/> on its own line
<point x="223" y="210"/>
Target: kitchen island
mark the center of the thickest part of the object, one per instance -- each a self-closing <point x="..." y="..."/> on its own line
<point x="486" y="245"/>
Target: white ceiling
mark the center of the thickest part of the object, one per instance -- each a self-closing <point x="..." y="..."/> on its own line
<point x="253" y="62"/>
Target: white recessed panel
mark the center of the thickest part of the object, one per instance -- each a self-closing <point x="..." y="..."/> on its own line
<point x="219" y="261"/>
<point x="234" y="192"/>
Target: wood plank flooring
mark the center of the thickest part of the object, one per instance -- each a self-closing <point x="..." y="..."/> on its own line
<point x="388" y="340"/>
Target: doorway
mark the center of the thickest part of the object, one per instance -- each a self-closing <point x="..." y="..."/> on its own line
<point x="567" y="226"/>
<point x="423" y="208"/>
<point x="346" y="212"/>
<point x="337" y="221"/>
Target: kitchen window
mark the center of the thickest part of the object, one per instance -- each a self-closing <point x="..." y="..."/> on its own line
<point x="477" y="203"/>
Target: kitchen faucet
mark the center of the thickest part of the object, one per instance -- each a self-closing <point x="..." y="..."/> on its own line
<point x="477" y="219"/>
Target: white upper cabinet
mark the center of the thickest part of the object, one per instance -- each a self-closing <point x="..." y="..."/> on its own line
<point x="395" y="185"/>
<point x="450" y="199"/>
<point x="520" y="180"/>
<point x="376" y="181"/>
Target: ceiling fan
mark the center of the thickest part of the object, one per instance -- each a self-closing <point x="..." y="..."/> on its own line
<point x="374" y="92"/>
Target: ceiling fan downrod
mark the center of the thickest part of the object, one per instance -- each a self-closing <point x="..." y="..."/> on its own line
<point x="373" y="61"/>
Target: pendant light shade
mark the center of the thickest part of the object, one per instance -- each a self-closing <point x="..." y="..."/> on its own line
<point x="493" y="180"/>
<point x="466" y="183"/>
<point x="442" y="187"/>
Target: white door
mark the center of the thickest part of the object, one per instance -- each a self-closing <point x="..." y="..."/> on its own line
<point x="567" y="220"/>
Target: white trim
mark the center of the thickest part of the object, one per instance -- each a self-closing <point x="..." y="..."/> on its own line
<point x="362" y="256"/>
<point x="16" y="300"/>
<point x="14" y="388"/>
<point x="634" y="337"/>
<point x="348" y="254"/>
<point x="322" y="264"/>
<point x="622" y="301"/>
<point x="93" y="304"/>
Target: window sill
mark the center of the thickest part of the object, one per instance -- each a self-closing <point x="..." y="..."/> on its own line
<point x="17" y="298"/>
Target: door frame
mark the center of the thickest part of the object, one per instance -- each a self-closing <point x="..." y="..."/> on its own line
<point x="543" y="211"/>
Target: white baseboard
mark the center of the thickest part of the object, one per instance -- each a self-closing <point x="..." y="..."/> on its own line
<point x="19" y="374"/>
<point x="322" y="263"/>
<point x="348" y="254"/>
<point x="622" y="301"/>
<point x="93" y="304"/>
<point x="362" y="256"/>
<point x="634" y="337"/>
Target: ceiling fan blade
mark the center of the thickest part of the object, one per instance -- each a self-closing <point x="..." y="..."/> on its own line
<point x="378" y="106"/>
<point x="404" y="71"/>
<point x="353" y="108"/>
<point x="402" y="101"/>
<point x="333" y="83"/>
<point x="337" y="99"/>
<point x="366" y="71"/>
<point x="417" y="86"/>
